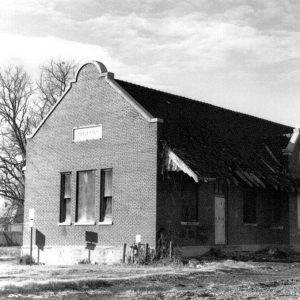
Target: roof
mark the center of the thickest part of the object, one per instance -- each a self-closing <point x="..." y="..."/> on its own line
<point x="219" y="143"/>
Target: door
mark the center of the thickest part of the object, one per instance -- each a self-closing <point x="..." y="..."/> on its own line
<point x="220" y="231"/>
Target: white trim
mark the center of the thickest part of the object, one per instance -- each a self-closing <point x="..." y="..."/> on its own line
<point x="189" y="223"/>
<point x="109" y="77"/>
<point x="65" y="223"/>
<point x="105" y="223"/>
<point x="50" y="112"/>
<point x="99" y="65"/>
<point x="292" y="142"/>
<point x="85" y="224"/>
<point x="250" y="224"/>
<point x="156" y="120"/>
<point x="180" y="164"/>
<point x="130" y="100"/>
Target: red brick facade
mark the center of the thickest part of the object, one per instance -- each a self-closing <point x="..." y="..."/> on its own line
<point x="128" y="146"/>
<point x="144" y="201"/>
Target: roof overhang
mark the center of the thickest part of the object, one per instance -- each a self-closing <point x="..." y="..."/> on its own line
<point x="176" y="164"/>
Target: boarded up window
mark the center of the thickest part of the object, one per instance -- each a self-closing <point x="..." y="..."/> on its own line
<point x="189" y="199"/>
<point x="106" y="196"/>
<point x="85" y="210"/>
<point x="276" y="203"/>
<point x="65" y="198"/>
<point x="249" y="203"/>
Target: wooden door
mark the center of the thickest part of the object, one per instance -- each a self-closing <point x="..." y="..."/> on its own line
<point x="220" y="230"/>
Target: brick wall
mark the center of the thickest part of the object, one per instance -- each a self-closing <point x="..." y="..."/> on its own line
<point x="128" y="146"/>
<point x="264" y="232"/>
<point x="294" y="165"/>
<point x="169" y="213"/>
<point x="203" y="234"/>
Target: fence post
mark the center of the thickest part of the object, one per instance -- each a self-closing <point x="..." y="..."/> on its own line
<point x="171" y="250"/>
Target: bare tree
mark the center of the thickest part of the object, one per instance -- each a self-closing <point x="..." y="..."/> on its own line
<point x="16" y="93"/>
<point x="22" y="106"/>
<point x="54" y="78"/>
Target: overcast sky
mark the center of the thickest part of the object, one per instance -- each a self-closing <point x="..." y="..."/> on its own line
<point x="239" y="54"/>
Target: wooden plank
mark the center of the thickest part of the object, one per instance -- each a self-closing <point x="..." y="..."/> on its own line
<point x="272" y="155"/>
<point x="243" y="177"/>
<point x="258" y="180"/>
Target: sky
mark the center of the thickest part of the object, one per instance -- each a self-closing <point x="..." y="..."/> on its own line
<point x="239" y="54"/>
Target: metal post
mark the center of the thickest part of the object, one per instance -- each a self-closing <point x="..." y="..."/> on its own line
<point x="124" y="252"/>
<point x="30" y="245"/>
<point x="147" y="253"/>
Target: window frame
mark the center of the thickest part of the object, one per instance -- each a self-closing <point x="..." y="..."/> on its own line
<point x="63" y="199"/>
<point x="102" y="197"/>
<point x="185" y="182"/>
<point x="77" y="198"/>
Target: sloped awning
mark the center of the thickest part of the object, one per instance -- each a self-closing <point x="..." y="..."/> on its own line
<point x="175" y="164"/>
<point x="266" y="167"/>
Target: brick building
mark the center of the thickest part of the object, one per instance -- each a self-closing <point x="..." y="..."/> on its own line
<point x="121" y="160"/>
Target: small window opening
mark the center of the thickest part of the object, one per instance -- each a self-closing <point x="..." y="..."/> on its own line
<point x="249" y="208"/>
<point x="106" y="196"/>
<point x="65" y="198"/>
<point x="276" y="204"/>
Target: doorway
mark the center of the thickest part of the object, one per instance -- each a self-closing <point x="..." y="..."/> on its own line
<point x="220" y="220"/>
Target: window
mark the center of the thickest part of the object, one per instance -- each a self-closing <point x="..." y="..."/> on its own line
<point x="276" y="204"/>
<point x="189" y="199"/>
<point x="85" y="206"/>
<point x="65" y="198"/>
<point x="106" y="196"/>
<point x="249" y="202"/>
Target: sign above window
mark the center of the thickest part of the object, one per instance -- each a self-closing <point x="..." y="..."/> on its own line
<point x="85" y="133"/>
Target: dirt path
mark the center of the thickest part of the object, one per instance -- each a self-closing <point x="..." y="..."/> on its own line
<point x="214" y="280"/>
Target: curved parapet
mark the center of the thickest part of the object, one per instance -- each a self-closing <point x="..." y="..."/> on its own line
<point x="109" y="77"/>
<point x="99" y="66"/>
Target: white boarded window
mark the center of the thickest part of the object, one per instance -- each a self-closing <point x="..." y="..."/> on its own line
<point x="106" y="196"/>
<point x="85" y="210"/>
<point x="65" y="198"/>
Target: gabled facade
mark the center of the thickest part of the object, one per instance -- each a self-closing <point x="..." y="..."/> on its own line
<point x="121" y="160"/>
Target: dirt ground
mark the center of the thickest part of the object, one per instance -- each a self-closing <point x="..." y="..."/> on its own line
<point x="222" y="279"/>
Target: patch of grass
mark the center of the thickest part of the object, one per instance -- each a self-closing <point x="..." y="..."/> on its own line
<point x="25" y="260"/>
<point x="84" y="261"/>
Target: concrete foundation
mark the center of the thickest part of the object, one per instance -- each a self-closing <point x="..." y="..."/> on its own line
<point x="67" y="255"/>
<point x="194" y="251"/>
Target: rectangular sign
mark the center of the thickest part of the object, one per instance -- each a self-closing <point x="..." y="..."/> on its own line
<point x="85" y="133"/>
<point x="31" y="213"/>
<point x="31" y="223"/>
<point x="40" y="239"/>
<point x="91" y="237"/>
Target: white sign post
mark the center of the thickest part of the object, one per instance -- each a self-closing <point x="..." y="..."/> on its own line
<point x="31" y="217"/>
<point x="31" y="223"/>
